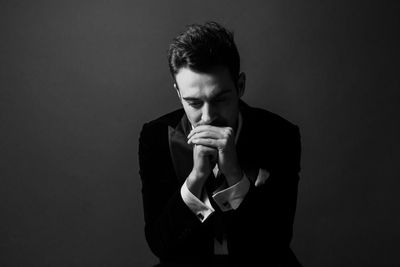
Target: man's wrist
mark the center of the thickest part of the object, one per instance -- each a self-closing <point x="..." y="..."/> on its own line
<point x="234" y="177"/>
<point x="195" y="182"/>
<point x="197" y="175"/>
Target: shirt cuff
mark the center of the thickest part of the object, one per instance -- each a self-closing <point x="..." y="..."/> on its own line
<point x="201" y="209"/>
<point x="231" y="197"/>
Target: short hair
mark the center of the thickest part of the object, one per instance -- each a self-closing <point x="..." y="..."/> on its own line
<point x="201" y="47"/>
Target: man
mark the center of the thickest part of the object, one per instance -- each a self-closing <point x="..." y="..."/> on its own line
<point x="219" y="178"/>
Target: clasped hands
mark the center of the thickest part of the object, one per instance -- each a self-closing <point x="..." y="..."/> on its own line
<point x="215" y="145"/>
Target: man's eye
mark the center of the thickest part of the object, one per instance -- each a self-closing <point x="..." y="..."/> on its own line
<point x="195" y="104"/>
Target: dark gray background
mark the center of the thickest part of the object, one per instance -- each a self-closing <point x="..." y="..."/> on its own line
<point x="79" y="78"/>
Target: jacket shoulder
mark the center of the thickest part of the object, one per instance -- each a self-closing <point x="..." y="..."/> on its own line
<point x="159" y="126"/>
<point x="269" y="121"/>
<point x="169" y="119"/>
<point x="280" y="137"/>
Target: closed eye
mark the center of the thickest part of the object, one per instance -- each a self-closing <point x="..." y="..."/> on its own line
<point x="195" y="104"/>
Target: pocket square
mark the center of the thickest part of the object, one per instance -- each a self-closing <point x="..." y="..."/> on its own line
<point x="262" y="177"/>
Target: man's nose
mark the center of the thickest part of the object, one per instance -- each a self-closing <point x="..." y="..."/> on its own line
<point x="208" y="115"/>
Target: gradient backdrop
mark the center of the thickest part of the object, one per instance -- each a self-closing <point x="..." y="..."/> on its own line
<point x="79" y="78"/>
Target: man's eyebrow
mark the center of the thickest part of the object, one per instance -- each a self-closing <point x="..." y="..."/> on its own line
<point x="191" y="98"/>
<point x="223" y="92"/>
<point x="216" y="96"/>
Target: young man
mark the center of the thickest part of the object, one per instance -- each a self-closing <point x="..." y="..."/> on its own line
<point x="219" y="178"/>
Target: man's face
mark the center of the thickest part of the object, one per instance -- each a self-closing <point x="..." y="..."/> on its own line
<point x="210" y="98"/>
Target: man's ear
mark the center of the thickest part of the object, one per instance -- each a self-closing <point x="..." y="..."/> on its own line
<point x="177" y="90"/>
<point x="241" y="84"/>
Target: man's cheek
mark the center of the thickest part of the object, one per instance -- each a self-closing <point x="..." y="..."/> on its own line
<point x="195" y="121"/>
<point x="219" y="123"/>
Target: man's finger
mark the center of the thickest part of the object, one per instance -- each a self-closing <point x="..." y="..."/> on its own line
<point x="207" y="142"/>
<point x="208" y="149"/>
<point x="205" y="134"/>
<point x="202" y="128"/>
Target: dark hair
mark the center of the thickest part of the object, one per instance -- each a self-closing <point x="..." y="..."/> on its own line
<point x="202" y="47"/>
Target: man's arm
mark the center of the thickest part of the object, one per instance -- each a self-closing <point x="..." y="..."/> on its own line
<point x="169" y="223"/>
<point x="267" y="212"/>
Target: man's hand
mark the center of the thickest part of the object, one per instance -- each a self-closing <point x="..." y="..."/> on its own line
<point x="204" y="159"/>
<point x="223" y="140"/>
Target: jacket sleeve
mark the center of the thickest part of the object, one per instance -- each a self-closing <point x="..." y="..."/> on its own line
<point x="169" y="224"/>
<point x="285" y="178"/>
<point x="270" y="208"/>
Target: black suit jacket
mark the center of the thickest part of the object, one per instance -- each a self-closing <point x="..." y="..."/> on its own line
<point x="260" y="230"/>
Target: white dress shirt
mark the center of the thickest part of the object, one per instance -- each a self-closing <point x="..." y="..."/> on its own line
<point x="227" y="198"/>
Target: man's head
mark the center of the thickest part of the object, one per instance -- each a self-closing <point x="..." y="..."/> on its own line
<point x="205" y="64"/>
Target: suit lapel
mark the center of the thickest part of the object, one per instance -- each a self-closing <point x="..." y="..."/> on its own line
<point x="181" y="151"/>
<point x="247" y="146"/>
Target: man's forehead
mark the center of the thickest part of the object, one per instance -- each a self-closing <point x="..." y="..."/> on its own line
<point x="205" y="94"/>
<point x="197" y="84"/>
